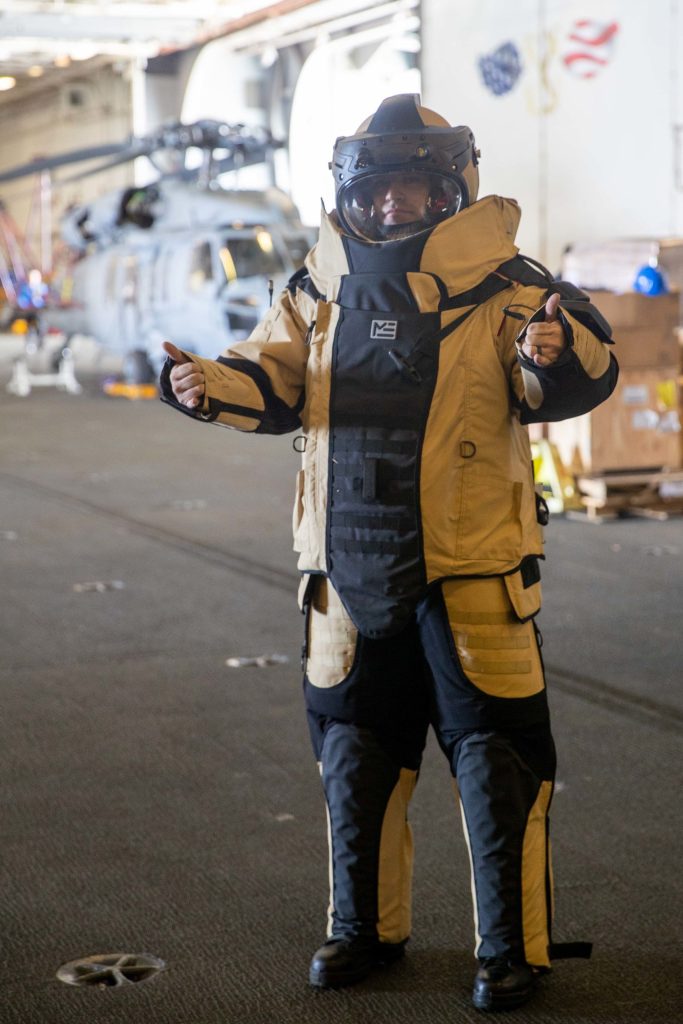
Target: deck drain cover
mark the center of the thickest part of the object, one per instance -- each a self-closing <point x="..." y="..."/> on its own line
<point x="107" y="970"/>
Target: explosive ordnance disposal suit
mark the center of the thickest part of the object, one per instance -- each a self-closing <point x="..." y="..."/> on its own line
<point x="409" y="353"/>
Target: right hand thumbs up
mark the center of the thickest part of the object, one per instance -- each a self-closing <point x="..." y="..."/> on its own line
<point x="187" y="380"/>
<point x="174" y="352"/>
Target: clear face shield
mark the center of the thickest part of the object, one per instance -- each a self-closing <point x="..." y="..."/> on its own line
<point x="382" y="206"/>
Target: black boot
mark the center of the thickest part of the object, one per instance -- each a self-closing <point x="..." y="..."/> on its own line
<point x="502" y="985"/>
<point x="344" y="961"/>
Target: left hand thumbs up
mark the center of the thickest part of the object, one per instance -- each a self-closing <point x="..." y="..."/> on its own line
<point x="551" y="308"/>
<point x="545" y="340"/>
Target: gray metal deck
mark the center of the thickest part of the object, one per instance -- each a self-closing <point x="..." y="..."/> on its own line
<point x="156" y="800"/>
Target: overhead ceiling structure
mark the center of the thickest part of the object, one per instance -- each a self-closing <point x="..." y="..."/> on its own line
<point x="42" y="37"/>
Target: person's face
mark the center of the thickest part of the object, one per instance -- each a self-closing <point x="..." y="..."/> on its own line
<point x="400" y="198"/>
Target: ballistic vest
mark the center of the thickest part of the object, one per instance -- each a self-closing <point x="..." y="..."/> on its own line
<point x="384" y="368"/>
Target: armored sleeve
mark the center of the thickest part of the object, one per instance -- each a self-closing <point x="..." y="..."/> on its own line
<point x="583" y="376"/>
<point x="257" y="385"/>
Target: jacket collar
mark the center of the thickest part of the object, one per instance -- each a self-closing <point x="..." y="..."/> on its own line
<point x="462" y="250"/>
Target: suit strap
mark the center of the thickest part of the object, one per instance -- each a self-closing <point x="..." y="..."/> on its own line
<point x="486" y="289"/>
<point x="570" y="950"/>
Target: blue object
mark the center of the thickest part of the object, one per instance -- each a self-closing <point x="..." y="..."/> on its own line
<point x="650" y="281"/>
<point x="501" y="69"/>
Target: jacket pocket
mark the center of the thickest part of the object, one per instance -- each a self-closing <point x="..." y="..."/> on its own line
<point x="489" y="520"/>
<point x="526" y="601"/>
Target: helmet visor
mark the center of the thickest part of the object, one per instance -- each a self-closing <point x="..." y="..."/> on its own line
<point x="385" y="205"/>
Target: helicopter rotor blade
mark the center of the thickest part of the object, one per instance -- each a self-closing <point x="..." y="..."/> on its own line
<point x="243" y="147"/>
<point x="255" y="152"/>
<point x="238" y="154"/>
<point x="49" y="163"/>
<point x="122" y="158"/>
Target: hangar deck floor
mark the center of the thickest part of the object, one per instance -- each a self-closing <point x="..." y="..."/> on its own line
<point x="156" y="800"/>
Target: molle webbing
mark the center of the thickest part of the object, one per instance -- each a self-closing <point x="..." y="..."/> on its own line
<point x="384" y="370"/>
<point x="378" y="414"/>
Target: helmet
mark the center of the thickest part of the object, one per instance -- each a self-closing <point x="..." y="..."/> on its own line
<point x="405" y="170"/>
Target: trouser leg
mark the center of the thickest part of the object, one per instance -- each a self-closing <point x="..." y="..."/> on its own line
<point x="371" y="848"/>
<point x="504" y="809"/>
<point x="368" y="719"/>
<point x="490" y="714"/>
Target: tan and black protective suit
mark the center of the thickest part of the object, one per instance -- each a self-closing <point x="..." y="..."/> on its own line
<point x="416" y="523"/>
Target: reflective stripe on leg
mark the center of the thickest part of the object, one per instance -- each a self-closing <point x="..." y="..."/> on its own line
<point x="359" y="779"/>
<point x="330" y="866"/>
<point x="477" y="936"/>
<point x="504" y="807"/>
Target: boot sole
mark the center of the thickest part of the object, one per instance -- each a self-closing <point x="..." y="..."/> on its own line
<point x="339" y="979"/>
<point x="325" y="979"/>
<point x="490" y="1003"/>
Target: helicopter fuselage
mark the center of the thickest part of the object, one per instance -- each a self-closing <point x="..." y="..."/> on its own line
<point x="200" y="273"/>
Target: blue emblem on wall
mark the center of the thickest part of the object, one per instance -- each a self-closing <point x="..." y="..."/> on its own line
<point x="501" y="69"/>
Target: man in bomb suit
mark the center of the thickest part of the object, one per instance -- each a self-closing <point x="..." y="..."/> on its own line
<point x="411" y="351"/>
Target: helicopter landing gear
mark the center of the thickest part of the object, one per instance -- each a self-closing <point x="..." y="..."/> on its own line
<point x="24" y="380"/>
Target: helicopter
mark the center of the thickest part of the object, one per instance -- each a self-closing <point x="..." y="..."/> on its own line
<point x="181" y="259"/>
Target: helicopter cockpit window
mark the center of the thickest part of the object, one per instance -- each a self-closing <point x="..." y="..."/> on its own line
<point x="251" y="256"/>
<point x="137" y="206"/>
<point x="201" y="268"/>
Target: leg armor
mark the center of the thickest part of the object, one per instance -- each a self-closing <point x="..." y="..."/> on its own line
<point x="368" y="719"/>
<point x="371" y="846"/>
<point x="504" y="809"/>
<point x="491" y="717"/>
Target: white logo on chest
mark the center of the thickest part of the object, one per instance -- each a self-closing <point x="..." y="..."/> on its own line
<point x="383" y="330"/>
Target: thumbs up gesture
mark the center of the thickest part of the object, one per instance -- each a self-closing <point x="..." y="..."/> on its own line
<point x="545" y="340"/>
<point x="187" y="380"/>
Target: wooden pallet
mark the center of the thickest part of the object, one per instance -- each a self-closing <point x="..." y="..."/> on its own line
<point x="646" y="493"/>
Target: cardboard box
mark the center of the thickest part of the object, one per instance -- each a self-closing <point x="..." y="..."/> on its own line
<point x="638" y="427"/>
<point x="644" y="327"/>
<point x="613" y="264"/>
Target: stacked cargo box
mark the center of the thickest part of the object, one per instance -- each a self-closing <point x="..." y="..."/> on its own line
<point x="627" y="455"/>
<point x="639" y="427"/>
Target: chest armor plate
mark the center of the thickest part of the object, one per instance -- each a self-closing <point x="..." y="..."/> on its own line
<point x="384" y="367"/>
